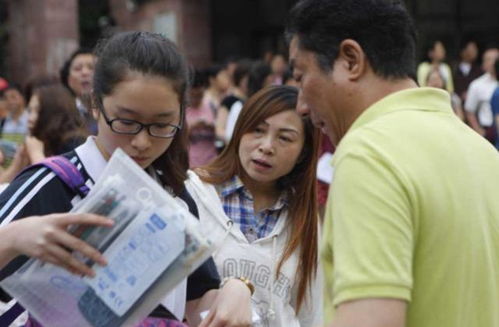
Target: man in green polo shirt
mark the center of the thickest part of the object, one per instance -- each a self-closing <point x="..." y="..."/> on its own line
<point x="411" y="236"/>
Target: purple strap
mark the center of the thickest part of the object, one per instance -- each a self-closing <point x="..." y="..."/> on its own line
<point x="160" y="322"/>
<point x="148" y="322"/>
<point x="66" y="171"/>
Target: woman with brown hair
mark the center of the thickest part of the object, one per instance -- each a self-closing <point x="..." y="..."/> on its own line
<point x="55" y="125"/>
<point x="265" y="182"/>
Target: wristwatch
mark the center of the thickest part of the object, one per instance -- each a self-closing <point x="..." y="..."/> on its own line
<point x="245" y="280"/>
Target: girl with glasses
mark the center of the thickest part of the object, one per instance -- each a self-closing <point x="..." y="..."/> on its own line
<point x="139" y="95"/>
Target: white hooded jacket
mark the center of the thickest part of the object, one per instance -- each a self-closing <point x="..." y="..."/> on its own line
<point x="235" y="256"/>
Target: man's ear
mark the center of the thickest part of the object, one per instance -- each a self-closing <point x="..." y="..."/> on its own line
<point x="353" y="57"/>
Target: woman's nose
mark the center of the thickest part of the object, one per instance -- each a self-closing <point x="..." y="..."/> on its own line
<point x="267" y="145"/>
<point x="142" y="140"/>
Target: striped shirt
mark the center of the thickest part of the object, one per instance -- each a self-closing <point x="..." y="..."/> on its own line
<point x="238" y="206"/>
<point x="39" y="191"/>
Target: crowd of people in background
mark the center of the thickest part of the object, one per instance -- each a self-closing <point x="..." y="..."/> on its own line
<point x="61" y="104"/>
<point x="216" y="97"/>
<point x="469" y="84"/>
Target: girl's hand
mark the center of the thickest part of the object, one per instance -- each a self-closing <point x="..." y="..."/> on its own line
<point x="35" y="149"/>
<point x="232" y="307"/>
<point x="46" y="238"/>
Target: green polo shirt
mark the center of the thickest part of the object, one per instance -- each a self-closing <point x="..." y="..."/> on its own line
<point x="413" y="214"/>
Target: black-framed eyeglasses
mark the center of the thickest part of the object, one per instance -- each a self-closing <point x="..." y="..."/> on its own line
<point x="133" y="127"/>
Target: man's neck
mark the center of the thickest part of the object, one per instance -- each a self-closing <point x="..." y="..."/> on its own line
<point x="366" y="94"/>
<point x="383" y="89"/>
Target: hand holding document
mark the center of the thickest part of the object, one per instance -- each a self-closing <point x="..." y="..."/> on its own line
<point x="153" y="245"/>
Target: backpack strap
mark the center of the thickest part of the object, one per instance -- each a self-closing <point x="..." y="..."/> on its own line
<point x="67" y="172"/>
<point x="193" y="208"/>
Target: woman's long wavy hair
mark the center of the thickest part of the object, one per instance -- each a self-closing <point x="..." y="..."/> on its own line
<point x="302" y="211"/>
<point x="59" y="122"/>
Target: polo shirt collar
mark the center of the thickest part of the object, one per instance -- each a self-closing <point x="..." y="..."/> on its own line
<point x="420" y="99"/>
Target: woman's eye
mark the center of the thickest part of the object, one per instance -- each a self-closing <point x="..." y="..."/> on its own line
<point x="159" y="125"/>
<point x="285" y="139"/>
<point x="259" y="130"/>
<point x="127" y="122"/>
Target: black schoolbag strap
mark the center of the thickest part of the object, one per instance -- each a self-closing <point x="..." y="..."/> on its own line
<point x="193" y="208"/>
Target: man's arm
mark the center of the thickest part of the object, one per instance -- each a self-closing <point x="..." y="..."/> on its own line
<point x="371" y="313"/>
<point x="370" y="241"/>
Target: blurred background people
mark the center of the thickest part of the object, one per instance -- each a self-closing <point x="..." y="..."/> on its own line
<point x="3" y="104"/>
<point x="477" y="105"/>
<point x="235" y="99"/>
<point x="260" y="76"/>
<point x="435" y="56"/>
<point x="200" y="120"/>
<point x="494" y="103"/>
<point x="55" y="124"/>
<point x="55" y="127"/>
<point x="15" y="125"/>
<point x="218" y="85"/>
<point x="435" y="79"/>
<point x="467" y="69"/>
<point x="77" y="75"/>
<point x="278" y="64"/>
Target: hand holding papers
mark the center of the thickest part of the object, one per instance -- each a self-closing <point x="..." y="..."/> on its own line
<point x="154" y="244"/>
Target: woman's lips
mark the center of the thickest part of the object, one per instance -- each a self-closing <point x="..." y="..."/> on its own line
<point x="140" y="160"/>
<point x="262" y="164"/>
<point x="86" y="85"/>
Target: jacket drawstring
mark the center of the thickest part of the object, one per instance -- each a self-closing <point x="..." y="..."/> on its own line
<point x="271" y="312"/>
<point x="229" y="223"/>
